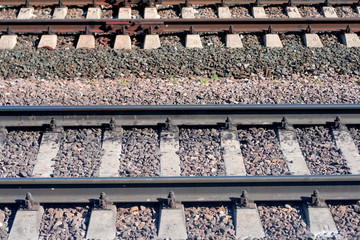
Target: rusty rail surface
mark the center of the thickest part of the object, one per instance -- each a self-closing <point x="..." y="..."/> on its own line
<point x="149" y="26"/>
<point x="168" y="2"/>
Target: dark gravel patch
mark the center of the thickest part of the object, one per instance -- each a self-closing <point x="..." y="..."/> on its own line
<point x="79" y="154"/>
<point x="355" y="132"/>
<point x="140" y="153"/>
<point x="284" y="221"/>
<point x="320" y="152"/>
<point x="170" y="61"/>
<point x="347" y="218"/>
<point x="7" y="215"/>
<point x="200" y="153"/>
<point x="211" y="222"/>
<point x="19" y="153"/>
<point x="261" y="152"/>
<point x="64" y="222"/>
<point x="137" y="221"/>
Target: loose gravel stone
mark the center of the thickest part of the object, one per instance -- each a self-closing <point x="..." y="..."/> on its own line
<point x="355" y="132"/>
<point x="18" y="156"/>
<point x="345" y="11"/>
<point x="140" y="153"/>
<point x="42" y="13"/>
<point x="330" y="89"/>
<point x="7" y="215"/>
<point x="168" y="11"/>
<point x="66" y="42"/>
<point x="275" y="12"/>
<point x="136" y="13"/>
<point x="79" y="154"/>
<point x="137" y="221"/>
<point x="27" y="61"/>
<point x="64" y="222"/>
<point x="261" y="152"/>
<point x="8" y="13"/>
<point x="210" y="222"/>
<point x="208" y="11"/>
<point x="200" y="153"/>
<point x="240" y="12"/>
<point x="74" y="12"/>
<point x="312" y="12"/>
<point x="320" y="152"/>
<point x="283" y="221"/>
<point x="107" y="11"/>
<point x="347" y="218"/>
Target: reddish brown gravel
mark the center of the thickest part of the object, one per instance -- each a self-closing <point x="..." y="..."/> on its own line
<point x="18" y="155"/>
<point x="330" y="89"/>
<point x="137" y="221"/>
<point x="7" y="215"/>
<point x="210" y="222"/>
<point x="284" y="221"/>
<point x="320" y="152"/>
<point x="261" y="152"/>
<point x="347" y="219"/>
<point x="64" y="222"/>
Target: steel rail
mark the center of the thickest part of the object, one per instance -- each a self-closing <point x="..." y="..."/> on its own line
<point x="140" y="26"/>
<point x="166" y="2"/>
<point x="186" y="189"/>
<point x="182" y="115"/>
<point x="137" y="26"/>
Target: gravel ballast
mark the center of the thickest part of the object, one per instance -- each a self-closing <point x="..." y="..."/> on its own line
<point x="18" y="155"/>
<point x="210" y="222"/>
<point x="320" y="152"/>
<point x="355" y="132"/>
<point x="7" y="215"/>
<point x="140" y="153"/>
<point x="79" y="154"/>
<point x="261" y="152"/>
<point x="178" y="61"/>
<point x="283" y="221"/>
<point x="137" y="221"/>
<point x="329" y="89"/>
<point x="64" y="222"/>
<point x="347" y="218"/>
<point x="200" y="153"/>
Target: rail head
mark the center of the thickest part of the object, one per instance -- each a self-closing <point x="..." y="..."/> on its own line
<point x="181" y="115"/>
<point x="187" y="189"/>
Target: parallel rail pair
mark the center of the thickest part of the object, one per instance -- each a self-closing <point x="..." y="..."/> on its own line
<point x="187" y="189"/>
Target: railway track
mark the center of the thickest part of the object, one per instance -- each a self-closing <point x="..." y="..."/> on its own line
<point x="166" y="2"/>
<point x="121" y="28"/>
<point x="171" y="192"/>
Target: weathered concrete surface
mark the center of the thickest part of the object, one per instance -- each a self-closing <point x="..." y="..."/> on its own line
<point x="312" y="40"/>
<point x="60" y="13"/>
<point x="8" y="41"/>
<point x="26" y="225"/>
<point x="172" y="223"/>
<point x="272" y="41"/>
<point x="122" y="42"/>
<point x="49" y="147"/>
<point x="152" y="41"/>
<point x="350" y="39"/>
<point x="193" y="41"/>
<point x="86" y="41"/>
<point x="48" y="41"/>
